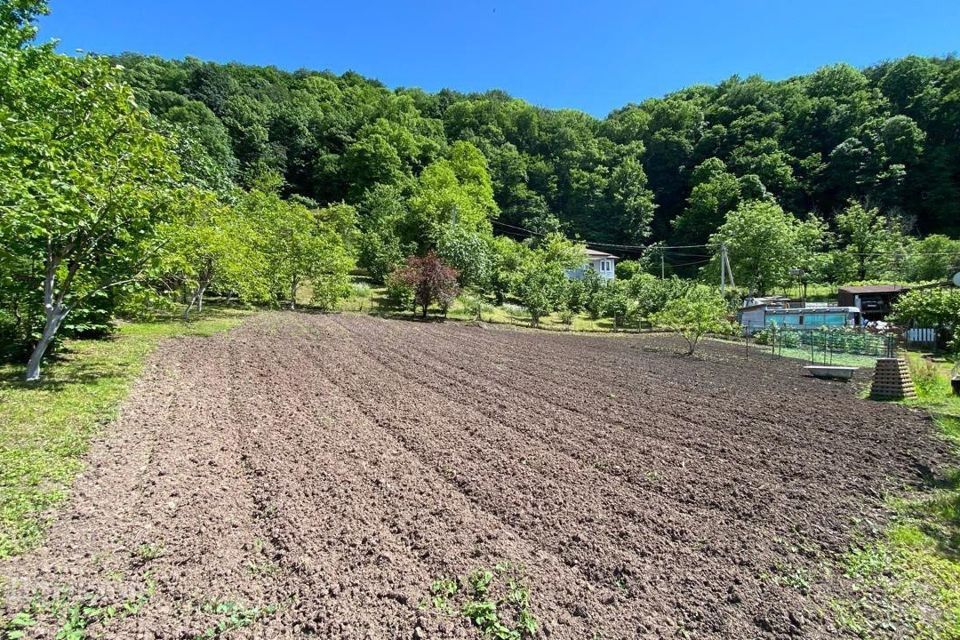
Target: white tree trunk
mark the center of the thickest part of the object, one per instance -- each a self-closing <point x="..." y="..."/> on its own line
<point x="195" y="301"/>
<point x="55" y="312"/>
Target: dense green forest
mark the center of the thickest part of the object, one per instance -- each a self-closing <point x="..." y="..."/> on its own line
<point x="130" y="184"/>
<point x="665" y="169"/>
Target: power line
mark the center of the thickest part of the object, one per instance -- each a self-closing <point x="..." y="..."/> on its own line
<point x="636" y="247"/>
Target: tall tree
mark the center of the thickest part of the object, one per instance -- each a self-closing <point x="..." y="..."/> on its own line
<point x="84" y="178"/>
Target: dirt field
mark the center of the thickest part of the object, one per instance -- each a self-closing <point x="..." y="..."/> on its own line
<point x="310" y="474"/>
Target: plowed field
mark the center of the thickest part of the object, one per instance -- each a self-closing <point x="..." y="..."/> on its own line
<point x="309" y="474"/>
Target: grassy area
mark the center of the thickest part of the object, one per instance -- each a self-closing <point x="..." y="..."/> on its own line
<point x="908" y="579"/>
<point x="838" y="359"/>
<point x="517" y="315"/>
<point x="366" y="298"/>
<point x="45" y="428"/>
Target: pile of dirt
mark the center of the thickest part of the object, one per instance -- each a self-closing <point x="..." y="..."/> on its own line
<point x="309" y="474"/>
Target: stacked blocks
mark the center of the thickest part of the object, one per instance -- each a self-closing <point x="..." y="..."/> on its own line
<point x="891" y="380"/>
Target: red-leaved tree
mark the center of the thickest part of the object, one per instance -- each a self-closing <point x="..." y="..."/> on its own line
<point x="430" y="279"/>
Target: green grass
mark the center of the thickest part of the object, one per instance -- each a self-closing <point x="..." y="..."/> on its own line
<point x="367" y="298"/>
<point x="908" y="578"/>
<point x="838" y="359"/>
<point x="517" y="315"/>
<point x="45" y="427"/>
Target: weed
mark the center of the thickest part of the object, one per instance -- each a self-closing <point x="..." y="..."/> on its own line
<point x="496" y="602"/>
<point x="74" y="616"/>
<point x="233" y="616"/>
<point x="149" y="551"/>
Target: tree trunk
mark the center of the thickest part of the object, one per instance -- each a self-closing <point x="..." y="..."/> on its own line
<point x="55" y="312"/>
<point x="196" y="300"/>
<point x="293" y="293"/>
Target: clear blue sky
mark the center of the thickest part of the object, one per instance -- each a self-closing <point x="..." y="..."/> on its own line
<point x="591" y="55"/>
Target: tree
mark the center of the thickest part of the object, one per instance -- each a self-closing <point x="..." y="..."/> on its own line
<point x="869" y="241"/>
<point x="84" y="178"/>
<point x="935" y="257"/>
<point x="430" y="279"/>
<point x="297" y="244"/>
<point x="616" y="303"/>
<point x="938" y="308"/>
<point x="539" y="290"/>
<point x="213" y="244"/>
<point x="701" y="310"/>
<point x="469" y="252"/>
<point x="715" y="193"/>
<point x="764" y="242"/>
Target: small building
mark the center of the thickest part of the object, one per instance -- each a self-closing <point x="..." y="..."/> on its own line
<point x="599" y="261"/>
<point x="757" y="317"/>
<point x="873" y="301"/>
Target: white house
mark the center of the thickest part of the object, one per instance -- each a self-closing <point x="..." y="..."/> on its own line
<point x="602" y="263"/>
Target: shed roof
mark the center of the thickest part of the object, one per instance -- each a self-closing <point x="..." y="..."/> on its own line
<point x="875" y="288"/>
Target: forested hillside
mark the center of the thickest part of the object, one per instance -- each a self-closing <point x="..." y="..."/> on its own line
<point x="663" y="169"/>
<point x="131" y="184"/>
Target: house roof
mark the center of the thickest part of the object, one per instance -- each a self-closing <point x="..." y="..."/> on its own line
<point x="875" y="288"/>
<point x="599" y="254"/>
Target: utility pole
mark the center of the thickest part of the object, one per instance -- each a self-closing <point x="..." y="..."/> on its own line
<point x="663" y="272"/>
<point x="723" y="268"/>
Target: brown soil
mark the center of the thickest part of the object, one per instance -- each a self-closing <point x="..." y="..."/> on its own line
<point x="320" y="472"/>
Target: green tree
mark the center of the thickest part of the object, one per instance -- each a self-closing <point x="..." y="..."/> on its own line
<point x="938" y="308"/>
<point x="935" y="257"/>
<point x="700" y="311"/>
<point x="764" y="242"/>
<point x="870" y="241"/>
<point x="84" y="179"/>
<point x="211" y="244"/>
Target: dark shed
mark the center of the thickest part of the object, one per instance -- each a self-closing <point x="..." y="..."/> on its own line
<point x="874" y="301"/>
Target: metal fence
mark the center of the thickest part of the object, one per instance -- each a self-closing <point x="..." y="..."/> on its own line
<point x="822" y="345"/>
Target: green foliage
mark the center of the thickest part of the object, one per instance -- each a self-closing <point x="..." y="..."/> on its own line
<point x="938" y="308"/>
<point x="469" y="252"/>
<point x="764" y="242"/>
<point x="615" y="302"/>
<point x="84" y="180"/>
<point x="882" y="135"/>
<point x="701" y="310"/>
<point x="542" y="282"/>
<point x="495" y="601"/>
<point x="593" y="284"/>
<point x="652" y="294"/>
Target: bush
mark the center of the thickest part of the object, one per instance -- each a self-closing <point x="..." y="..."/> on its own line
<point x="700" y="311"/>
<point x="615" y="303"/>
<point x="430" y="280"/>
<point x="399" y="294"/>
<point x="574" y="294"/>
<point x="474" y="305"/>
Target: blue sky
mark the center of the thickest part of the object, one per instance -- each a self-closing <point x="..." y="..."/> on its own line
<point x="591" y="55"/>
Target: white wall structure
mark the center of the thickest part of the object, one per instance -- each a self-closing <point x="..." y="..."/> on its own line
<point x="602" y="263"/>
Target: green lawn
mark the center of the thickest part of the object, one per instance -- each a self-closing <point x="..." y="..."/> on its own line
<point x="909" y="577"/>
<point x="45" y="427"/>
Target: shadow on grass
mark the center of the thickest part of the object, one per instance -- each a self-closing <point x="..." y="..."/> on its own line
<point x="79" y="374"/>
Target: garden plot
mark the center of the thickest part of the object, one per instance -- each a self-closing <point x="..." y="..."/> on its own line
<point x="344" y="476"/>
